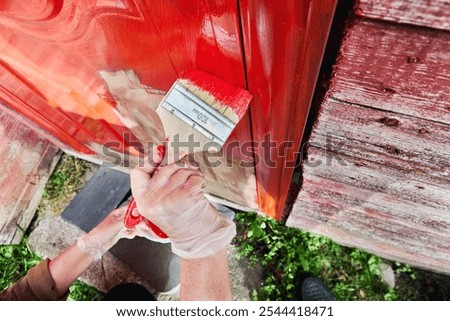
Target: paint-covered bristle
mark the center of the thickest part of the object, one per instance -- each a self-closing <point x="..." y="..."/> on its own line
<point x="227" y="99"/>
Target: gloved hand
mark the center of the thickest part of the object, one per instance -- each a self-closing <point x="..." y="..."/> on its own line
<point x="101" y="238"/>
<point x="172" y="198"/>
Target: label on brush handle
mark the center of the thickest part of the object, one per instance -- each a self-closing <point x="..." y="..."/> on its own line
<point x="197" y="114"/>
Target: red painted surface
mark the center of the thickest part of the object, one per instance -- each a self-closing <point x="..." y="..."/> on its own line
<point x="52" y="50"/>
<point x="284" y="44"/>
<point x="226" y="95"/>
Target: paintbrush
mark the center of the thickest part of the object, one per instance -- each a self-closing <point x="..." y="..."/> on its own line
<point x="198" y="108"/>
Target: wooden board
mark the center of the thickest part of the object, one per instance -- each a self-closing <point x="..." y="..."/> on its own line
<point x="372" y="221"/>
<point x="377" y="173"/>
<point x="395" y="68"/>
<point x="427" y="13"/>
<point x="53" y="55"/>
<point x="27" y="160"/>
<point x="379" y="181"/>
<point x="408" y="145"/>
<point x="284" y="42"/>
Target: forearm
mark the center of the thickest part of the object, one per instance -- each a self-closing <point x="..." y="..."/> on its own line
<point x="68" y="266"/>
<point x="205" y="278"/>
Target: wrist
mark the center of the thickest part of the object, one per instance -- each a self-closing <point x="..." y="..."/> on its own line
<point x="97" y="242"/>
<point x="212" y="240"/>
<point x="91" y="246"/>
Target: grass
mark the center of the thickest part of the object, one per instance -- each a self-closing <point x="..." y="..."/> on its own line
<point x="16" y="260"/>
<point x="65" y="181"/>
<point x="286" y="254"/>
<point x="80" y="291"/>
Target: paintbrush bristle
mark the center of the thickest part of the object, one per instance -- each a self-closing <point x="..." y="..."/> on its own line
<point x="230" y="101"/>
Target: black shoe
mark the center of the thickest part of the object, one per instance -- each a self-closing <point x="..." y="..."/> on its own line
<point x="313" y="289"/>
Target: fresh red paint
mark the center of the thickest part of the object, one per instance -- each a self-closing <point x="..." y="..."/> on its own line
<point x="51" y="52"/>
<point x="227" y="95"/>
<point x="284" y="44"/>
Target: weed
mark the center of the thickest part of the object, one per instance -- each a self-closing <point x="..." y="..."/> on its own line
<point x="62" y="185"/>
<point x="287" y="254"/>
<point x="80" y="291"/>
<point x="16" y="260"/>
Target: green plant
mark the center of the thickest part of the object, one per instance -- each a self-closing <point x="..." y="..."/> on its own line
<point x="80" y="291"/>
<point x="16" y="260"/>
<point x="287" y="253"/>
<point x="405" y="269"/>
<point x="62" y="185"/>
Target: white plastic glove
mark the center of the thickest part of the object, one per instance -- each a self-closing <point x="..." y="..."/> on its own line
<point x="173" y="199"/>
<point x="101" y="238"/>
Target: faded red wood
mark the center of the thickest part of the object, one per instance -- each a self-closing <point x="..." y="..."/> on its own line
<point x="378" y="181"/>
<point x="427" y="13"/>
<point x="412" y="148"/>
<point x="377" y="172"/>
<point x="395" y="68"/>
<point x="284" y="43"/>
<point x="384" y="152"/>
<point x="377" y="222"/>
<point x="27" y="162"/>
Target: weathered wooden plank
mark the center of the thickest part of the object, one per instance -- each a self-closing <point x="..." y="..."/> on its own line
<point x="377" y="174"/>
<point x="428" y="13"/>
<point x="379" y="181"/>
<point x="394" y="181"/>
<point x="404" y="144"/>
<point x="27" y="161"/>
<point x="395" y="68"/>
<point x="374" y="221"/>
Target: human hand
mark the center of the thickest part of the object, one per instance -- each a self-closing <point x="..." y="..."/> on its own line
<point x="101" y="238"/>
<point x="172" y="198"/>
<point x="161" y="197"/>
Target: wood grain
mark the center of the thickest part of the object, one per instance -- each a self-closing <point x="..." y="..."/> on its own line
<point x="27" y="162"/>
<point x="54" y="56"/>
<point x="427" y="13"/>
<point x="395" y="68"/>
<point x="415" y="147"/>
<point x="284" y="43"/>
<point x="377" y="172"/>
<point x="376" y="222"/>
<point x="378" y="181"/>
